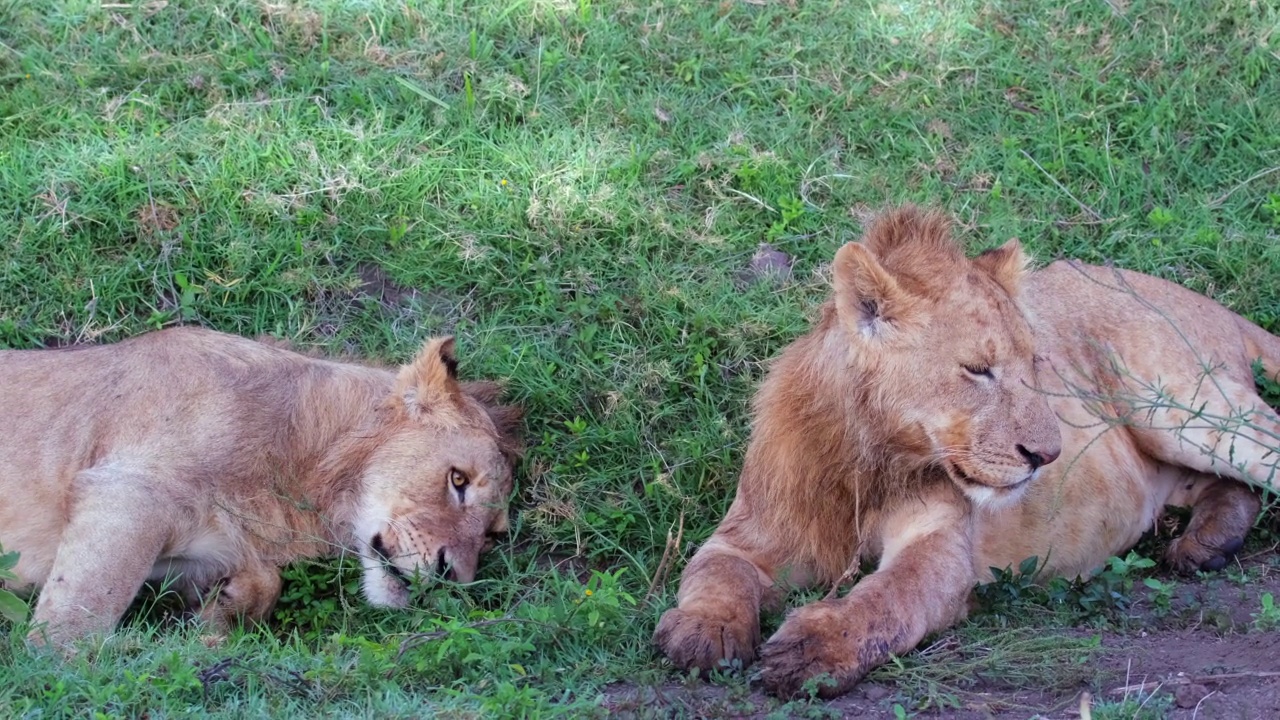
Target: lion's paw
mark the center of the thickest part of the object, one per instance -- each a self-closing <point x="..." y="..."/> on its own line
<point x="811" y="643"/>
<point x="694" y="640"/>
<point x="831" y="642"/>
<point x="1190" y="553"/>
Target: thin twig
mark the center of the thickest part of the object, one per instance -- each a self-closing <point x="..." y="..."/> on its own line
<point x="1062" y="187"/>
<point x="1255" y="176"/>
<point x="855" y="567"/>
<point x="1196" y="712"/>
<point x="664" y="564"/>
<point x="1268" y="551"/>
<point x="752" y="198"/>
<point x="1181" y="679"/>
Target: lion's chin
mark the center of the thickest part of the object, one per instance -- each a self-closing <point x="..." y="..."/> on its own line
<point x="385" y="589"/>
<point x="384" y="584"/>
<point x="985" y="493"/>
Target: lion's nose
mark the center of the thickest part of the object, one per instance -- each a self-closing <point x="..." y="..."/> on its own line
<point x="1039" y="457"/>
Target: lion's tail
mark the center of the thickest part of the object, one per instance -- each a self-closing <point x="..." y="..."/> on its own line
<point x="1263" y="345"/>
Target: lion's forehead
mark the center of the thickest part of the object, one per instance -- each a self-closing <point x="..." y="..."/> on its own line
<point x="978" y="312"/>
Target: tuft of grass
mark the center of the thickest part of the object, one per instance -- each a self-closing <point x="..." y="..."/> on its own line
<point x="574" y="190"/>
<point x="12" y="608"/>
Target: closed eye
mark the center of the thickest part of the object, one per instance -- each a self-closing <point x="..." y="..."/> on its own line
<point x="978" y="370"/>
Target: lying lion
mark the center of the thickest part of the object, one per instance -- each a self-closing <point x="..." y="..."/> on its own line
<point x="214" y="460"/>
<point x="948" y="415"/>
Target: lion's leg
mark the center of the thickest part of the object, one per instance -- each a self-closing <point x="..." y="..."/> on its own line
<point x="1222" y="513"/>
<point x="109" y="546"/>
<point x="729" y="579"/>
<point x="1223" y="428"/>
<point x="248" y="595"/>
<point x="925" y="574"/>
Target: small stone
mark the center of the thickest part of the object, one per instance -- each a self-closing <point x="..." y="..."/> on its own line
<point x="876" y="693"/>
<point x="1189" y="696"/>
<point x="768" y="263"/>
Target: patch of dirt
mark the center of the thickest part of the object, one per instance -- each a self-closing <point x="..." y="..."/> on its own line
<point x="437" y="310"/>
<point x="377" y="286"/>
<point x="395" y="299"/>
<point x="155" y="220"/>
<point x="1237" y="676"/>
<point x="1201" y="657"/>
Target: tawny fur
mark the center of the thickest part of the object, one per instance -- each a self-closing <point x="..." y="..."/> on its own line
<point x="918" y="424"/>
<point x="212" y="460"/>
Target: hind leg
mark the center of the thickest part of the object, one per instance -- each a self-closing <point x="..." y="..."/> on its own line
<point x="248" y="595"/>
<point x="1229" y="440"/>
<point x="1218" y="427"/>
<point x="1222" y="513"/>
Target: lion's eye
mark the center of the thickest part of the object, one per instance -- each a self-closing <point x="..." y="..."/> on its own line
<point x="978" y="370"/>
<point x="458" y="479"/>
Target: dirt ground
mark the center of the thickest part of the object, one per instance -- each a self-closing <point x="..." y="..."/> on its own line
<point x="1199" y="658"/>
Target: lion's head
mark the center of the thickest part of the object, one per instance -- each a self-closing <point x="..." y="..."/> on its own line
<point x="437" y="481"/>
<point x="946" y="353"/>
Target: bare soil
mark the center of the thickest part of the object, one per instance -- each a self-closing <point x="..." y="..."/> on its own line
<point x="1199" y="657"/>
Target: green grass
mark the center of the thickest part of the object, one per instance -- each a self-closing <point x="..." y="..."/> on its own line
<point x="572" y="189"/>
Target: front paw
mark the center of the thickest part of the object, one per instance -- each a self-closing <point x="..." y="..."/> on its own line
<point x="706" y="642"/>
<point x="822" y="641"/>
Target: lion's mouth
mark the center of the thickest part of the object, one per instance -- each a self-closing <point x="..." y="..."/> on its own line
<point x="966" y="479"/>
<point x="380" y="549"/>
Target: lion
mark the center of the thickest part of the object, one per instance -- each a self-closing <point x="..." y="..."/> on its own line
<point x="212" y="460"/>
<point x="946" y="415"/>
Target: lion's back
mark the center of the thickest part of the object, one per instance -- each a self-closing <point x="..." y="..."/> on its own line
<point x="177" y="402"/>
<point x="70" y="398"/>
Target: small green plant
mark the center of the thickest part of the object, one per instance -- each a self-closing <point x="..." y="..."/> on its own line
<point x="12" y="608"/>
<point x="1162" y="595"/>
<point x="790" y="209"/>
<point x="312" y="595"/>
<point x="1268" y="387"/>
<point x="1268" y="618"/>
<point x="1108" y="590"/>
<point x="1009" y="589"/>
<point x="1141" y="706"/>
<point x="1160" y="218"/>
<point x="1272" y="208"/>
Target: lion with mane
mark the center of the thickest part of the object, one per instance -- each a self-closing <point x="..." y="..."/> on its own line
<point x="947" y="415"/>
<point x="213" y="460"/>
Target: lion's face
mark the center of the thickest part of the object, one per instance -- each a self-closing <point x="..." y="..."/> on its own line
<point x="951" y="352"/>
<point x="436" y="490"/>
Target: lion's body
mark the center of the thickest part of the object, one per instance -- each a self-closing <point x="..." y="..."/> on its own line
<point x="947" y="415"/>
<point x="1109" y="487"/>
<point x="212" y="460"/>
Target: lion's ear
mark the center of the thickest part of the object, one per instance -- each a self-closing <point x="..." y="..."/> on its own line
<point x="869" y="301"/>
<point x="432" y="377"/>
<point x="506" y="418"/>
<point x="1007" y="264"/>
